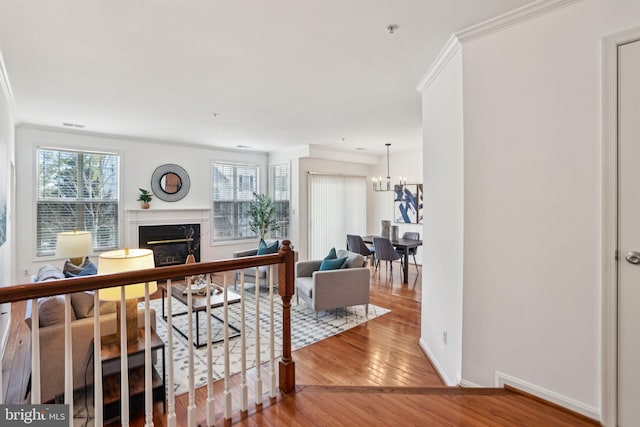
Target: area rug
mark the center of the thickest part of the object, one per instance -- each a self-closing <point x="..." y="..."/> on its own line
<point x="306" y="329"/>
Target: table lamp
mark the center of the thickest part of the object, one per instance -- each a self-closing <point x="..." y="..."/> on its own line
<point x="119" y="261"/>
<point x="74" y="245"/>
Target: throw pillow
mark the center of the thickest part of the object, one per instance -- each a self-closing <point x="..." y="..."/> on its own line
<point x="51" y="310"/>
<point x="354" y="260"/>
<point x="89" y="269"/>
<point x="331" y="254"/>
<point x="332" y="264"/>
<point x="48" y="272"/>
<point x="70" y="268"/>
<point x="264" y="248"/>
<point x="82" y="303"/>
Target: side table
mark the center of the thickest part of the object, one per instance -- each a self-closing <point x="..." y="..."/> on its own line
<point x="135" y="359"/>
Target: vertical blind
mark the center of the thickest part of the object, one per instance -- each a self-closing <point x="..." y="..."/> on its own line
<point x="279" y="186"/>
<point x="76" y="189"/>
<point x="337" y="207"/>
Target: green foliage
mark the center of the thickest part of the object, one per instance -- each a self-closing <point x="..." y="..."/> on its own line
<point x="262" y="213"/>
<point x="144" y="195"/>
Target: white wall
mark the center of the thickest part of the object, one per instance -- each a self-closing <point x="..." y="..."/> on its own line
<point x="139" y="159"/>
<point x="532" y="142"/>
<point x="443" y="223"/>
<point x="7" y="272"/>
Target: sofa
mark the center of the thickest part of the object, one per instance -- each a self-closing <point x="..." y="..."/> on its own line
<point x="262" y="279"/>
<point x="51" y="320"/>
<point x="336" y="288"/>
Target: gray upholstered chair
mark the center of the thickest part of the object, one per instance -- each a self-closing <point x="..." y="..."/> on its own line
<point x="357" y="245"/>
<point x="325" y="290"/>
<point x="385" y="252"/>
<point x="410" y="235"/>
<point x="262" y="278"/>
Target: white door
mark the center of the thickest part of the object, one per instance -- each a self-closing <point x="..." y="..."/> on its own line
<point x="629" y="234"/>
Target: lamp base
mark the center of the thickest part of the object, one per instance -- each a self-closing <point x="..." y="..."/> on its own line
<point x="131" y="319"/>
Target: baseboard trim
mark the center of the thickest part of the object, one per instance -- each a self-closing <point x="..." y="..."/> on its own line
<point x="551" y="397"/>
<point x="434" y="361"/>
<point x="469" y="384"/>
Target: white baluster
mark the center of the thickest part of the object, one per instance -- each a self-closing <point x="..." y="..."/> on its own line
<point x="227" y="379"/>
<point x="97" y="363"/>
<point x="124" y="362"/>
<point x="244" y="404"/>
<point x="191" y="409"/>
<point x="171" y="404"/>
<point x="148" y="373"/>
<point x="35" y="353"/>
<point x="68" y="357"/>
<point x="272" y="371"/>
<point x="258" y="349"/>
<point x="211" y="414"/>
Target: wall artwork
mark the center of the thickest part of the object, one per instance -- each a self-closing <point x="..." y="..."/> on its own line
<point x="4" y="167"/>
<point x="408" y="204"/>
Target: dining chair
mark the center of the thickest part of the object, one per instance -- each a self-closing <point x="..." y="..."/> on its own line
<point x="386" y="252"/>
<point x="410" y="235"/>
<point x="357" y="245"/>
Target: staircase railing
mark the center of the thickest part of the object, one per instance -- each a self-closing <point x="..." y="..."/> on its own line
<point x="283" y="260"/>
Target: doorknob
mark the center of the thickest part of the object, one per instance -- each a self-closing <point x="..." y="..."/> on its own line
<point x="633" y="257"/>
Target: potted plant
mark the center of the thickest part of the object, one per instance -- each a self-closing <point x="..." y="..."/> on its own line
<point x="144" y="198"/>
<point x="262" y="213"/>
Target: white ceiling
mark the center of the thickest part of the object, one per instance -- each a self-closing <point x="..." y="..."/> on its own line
<point x="279" y="73"/>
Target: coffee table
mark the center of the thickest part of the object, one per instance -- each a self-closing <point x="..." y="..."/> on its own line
<point x="199" y="304"/>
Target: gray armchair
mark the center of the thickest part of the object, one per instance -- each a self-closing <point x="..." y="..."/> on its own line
<point x="324" y="290"/>
<point x="262" y="278"/>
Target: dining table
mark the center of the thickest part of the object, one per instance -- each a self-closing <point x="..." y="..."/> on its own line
<point x="406" y="244"/>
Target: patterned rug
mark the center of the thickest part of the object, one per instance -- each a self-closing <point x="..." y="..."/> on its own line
<point x="305" y="330"/>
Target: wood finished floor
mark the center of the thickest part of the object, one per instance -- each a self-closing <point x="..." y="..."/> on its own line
<point x="372" y="375"/>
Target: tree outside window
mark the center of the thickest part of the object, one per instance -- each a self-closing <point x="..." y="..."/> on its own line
<point x="77" y="189"/>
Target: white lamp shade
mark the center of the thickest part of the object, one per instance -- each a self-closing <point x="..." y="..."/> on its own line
<point x="73" y="244"/>
<point x="123" y="260"/>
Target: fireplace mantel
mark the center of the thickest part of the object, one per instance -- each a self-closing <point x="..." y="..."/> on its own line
<point x="137" y="217"/>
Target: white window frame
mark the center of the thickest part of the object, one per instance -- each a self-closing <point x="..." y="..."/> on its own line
<point x="79" y="200"/>
<point x="236" y="202"/>
<point x="285" y="223"/>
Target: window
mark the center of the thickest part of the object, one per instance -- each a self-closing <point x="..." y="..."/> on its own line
<point x="279" y="190"/>
<point x="233" y="188"/>
<point x="77" y="189"/>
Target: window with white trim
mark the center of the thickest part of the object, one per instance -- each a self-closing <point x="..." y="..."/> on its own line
<point x="77" y="189"/>
<point x="233" y="188"/>
<point x="279" y="188"/>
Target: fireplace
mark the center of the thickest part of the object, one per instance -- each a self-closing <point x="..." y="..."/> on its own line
<point x="170" y="243"/>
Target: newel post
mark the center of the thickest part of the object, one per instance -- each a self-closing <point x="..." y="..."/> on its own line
<point x="286" y="278"/>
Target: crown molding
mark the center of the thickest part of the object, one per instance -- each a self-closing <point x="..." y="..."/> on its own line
<point x="6" y="87"/>
<point x="509" y="19"/>
<point x="448" y="51"/>
<point x="493" y="25"/>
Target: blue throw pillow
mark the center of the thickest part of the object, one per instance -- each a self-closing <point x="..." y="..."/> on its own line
<point x="88" y="270"/>
<point x="331" y="254"/>
<point x="332" y="264"/>
<point x="264" y="249"/>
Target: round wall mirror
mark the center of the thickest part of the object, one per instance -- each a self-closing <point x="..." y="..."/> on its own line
<point x="170" y="182"/>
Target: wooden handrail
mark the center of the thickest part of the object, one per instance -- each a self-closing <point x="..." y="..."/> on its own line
<point x="27" y="291"/>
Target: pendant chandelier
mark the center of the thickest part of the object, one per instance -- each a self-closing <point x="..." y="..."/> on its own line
<point x="377" y="182"/>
